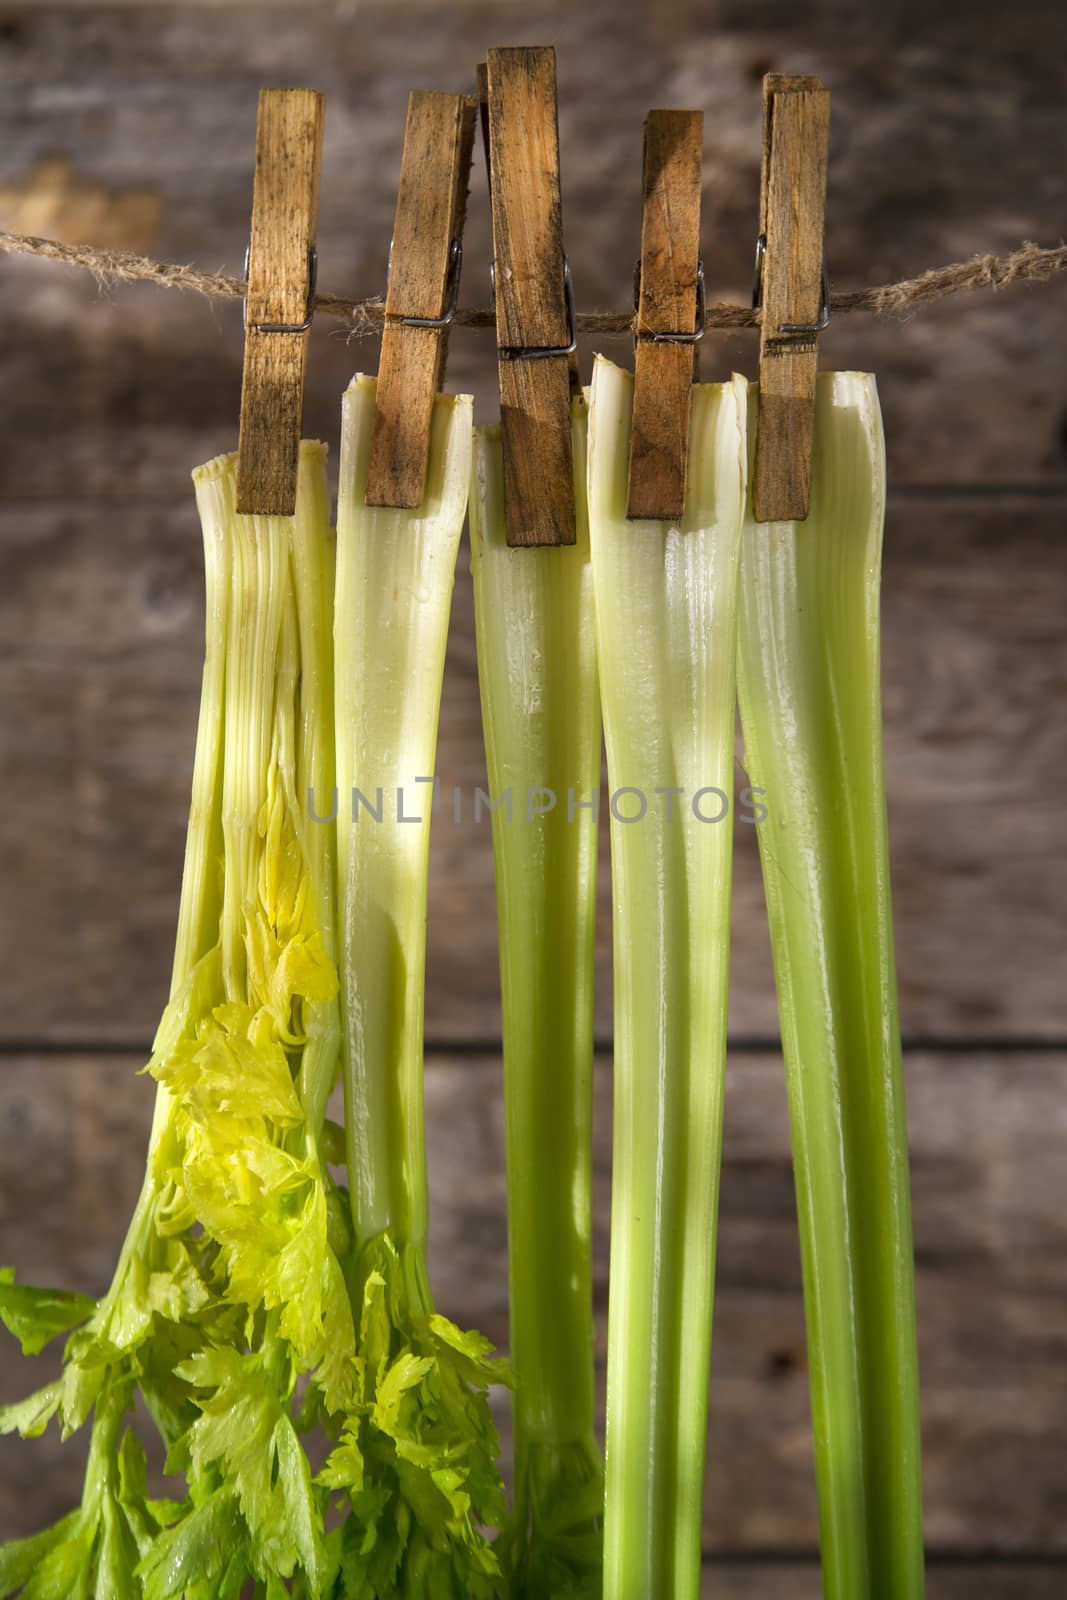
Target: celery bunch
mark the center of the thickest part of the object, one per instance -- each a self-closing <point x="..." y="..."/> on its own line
<point x="255" y="1296"/>
<point x="666" y="599"/>
<point x="541" y="714"/>
<point x="229" y="1287"/>
<point x="811" y="719"/>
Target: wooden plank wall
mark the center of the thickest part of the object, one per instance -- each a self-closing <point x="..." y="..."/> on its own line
<point x="134" y="126"/>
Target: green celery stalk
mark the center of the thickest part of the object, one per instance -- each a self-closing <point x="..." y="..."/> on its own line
<point x="395" y="572"/>
<point x="541" y="715"/>
<point x="418" y="1467"/>
<point x="666" y="615"/>
<point x="811" y="719"/>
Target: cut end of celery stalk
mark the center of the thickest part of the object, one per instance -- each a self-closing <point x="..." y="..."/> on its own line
<point x="311" y="450"/>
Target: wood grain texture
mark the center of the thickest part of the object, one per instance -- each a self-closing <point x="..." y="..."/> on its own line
<point x="947" y="1580"/>
<point x="796" y="132"/>
<point x="100" y="648"/>
<point x="990" y="1199"/>
<point x="124" y="391"/>
<point x="530" y="303"/>
<point x="667" y="303"/>
<point x="285" y="203"/>
<point x="430" y="207"/>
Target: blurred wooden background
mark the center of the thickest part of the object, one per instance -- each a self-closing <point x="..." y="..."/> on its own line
<point x="133" y="126"/>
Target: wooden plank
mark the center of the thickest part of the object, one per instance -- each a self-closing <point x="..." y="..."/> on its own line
<point x="100" y="647"/>
<point x="124" y="391"/>
<point x="989" y="1198"/>
<point x="285" y="206"/>
<point x="947" y="1580"/>
<point x="796" y="134"/>
<point x="663" y="373"/>
<point x="432" y="198"/>
<point x="531" y="311"/>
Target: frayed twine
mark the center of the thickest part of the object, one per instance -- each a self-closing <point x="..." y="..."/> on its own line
<point x="1030" y="263"/>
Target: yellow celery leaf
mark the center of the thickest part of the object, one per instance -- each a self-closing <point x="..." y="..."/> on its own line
<point x="283" y="877"/>
<point x="226" y="1202"/>
<point x="179" y="1292"/>
<point x="303" y="970"/>
<point x="223" y="1072"/>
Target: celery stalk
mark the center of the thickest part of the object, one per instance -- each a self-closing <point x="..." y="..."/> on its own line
<point x="541" y="715"/>
<point x="666" y="614"/>
<point x="395" y="572"/>
<point x="229" y="1285"/>
<point x="418" y="1469"/>
<point x="811" y="719"/>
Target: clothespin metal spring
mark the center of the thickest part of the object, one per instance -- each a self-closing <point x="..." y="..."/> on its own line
<point x="701" y="324"/>
<point x="518" y="352"/>
<point x="285" y="327"/>
<point x="790" y="327"/>
<point x="448" y="315"/>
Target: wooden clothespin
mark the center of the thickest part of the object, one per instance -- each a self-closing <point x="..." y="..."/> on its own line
<point x="669" y="303"/>
<point x="424" y="271"/>
<point x="280" y="301"/>
<point x="793" y="289"/>
<point x="534" y="301"/>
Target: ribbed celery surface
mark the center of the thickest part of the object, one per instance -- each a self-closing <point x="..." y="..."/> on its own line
<point x="419" y="1469"/>
<point x="666" y="614"/>
<point x="541" y="714"/>
<point x="395" y="571"/>
<point x="811" y="718"/>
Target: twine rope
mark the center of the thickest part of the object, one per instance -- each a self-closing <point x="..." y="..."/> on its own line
<point x="1031" y="263"/>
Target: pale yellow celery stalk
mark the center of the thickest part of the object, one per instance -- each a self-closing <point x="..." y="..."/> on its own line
<point x="666" y="614"/>
<point x="273" y="968"/>
<point x="123" y="1314"/>
<point x="808" y="676"/>
<point x="260" y="565"/>
<point x="232" y="1217"/>
<point x="314" y="560"/>
<point x="541" y="715"/>
<point x="200" y="903"/>
<point x="418" y="1467"/>
<point x="200" y="899"/>
<point x="249" y="1053"/>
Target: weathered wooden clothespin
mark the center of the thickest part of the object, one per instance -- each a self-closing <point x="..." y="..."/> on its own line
<point x="280" y="300"/>
<point x="424" y="272"/>
<point x="793" y="289"/>
<point x="534" y="300"/>
<point x="669" y="304"/>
